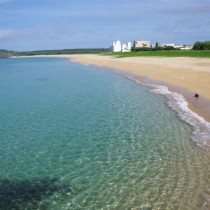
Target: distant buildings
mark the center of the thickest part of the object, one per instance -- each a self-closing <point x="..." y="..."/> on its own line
<point x="177" y="46"/>
<point x="141" y="44"/>
<point x="186" y="47"/>
<point x="118" y="47"/>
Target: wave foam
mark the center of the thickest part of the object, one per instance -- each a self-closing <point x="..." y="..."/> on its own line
<point x="201" y="132"/>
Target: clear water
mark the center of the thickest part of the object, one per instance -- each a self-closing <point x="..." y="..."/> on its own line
<point x="78" y="137"/>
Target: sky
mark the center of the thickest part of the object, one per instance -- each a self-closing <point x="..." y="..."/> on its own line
<point x="66" y="24"/>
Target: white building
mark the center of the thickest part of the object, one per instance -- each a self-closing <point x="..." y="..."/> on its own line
<point x="126" y="47"/>
<point x="169" y="45"/>
<point x="118" y="47"/>
<point x="141" y="44"/>
<point x="179" y="46"/>
<point x="186" y="47"/>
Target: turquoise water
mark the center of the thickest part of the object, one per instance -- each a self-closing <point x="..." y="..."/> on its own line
<point x="79" y="137"/>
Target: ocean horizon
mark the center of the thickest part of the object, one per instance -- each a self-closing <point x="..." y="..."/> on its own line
<point x="75" y="136"/>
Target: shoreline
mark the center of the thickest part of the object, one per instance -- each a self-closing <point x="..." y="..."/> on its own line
<point x="185" y="76"/>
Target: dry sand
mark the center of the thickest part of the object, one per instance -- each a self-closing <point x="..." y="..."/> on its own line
<point x="184" y="75"/>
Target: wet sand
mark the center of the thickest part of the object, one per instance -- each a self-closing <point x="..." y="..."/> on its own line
<point x="183" y="75"/>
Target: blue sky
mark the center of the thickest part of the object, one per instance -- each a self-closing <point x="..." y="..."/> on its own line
<point x="65" y="24"/>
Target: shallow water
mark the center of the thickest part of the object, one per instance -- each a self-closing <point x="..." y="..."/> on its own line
<point x="78" y="137"/>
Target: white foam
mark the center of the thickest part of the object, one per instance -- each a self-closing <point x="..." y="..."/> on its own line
<point x="201" y="132"/>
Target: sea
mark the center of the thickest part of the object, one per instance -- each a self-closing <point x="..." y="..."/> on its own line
<point x="79" y="137"/>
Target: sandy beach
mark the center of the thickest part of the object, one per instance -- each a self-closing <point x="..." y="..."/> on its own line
<point x="183" y="75"/>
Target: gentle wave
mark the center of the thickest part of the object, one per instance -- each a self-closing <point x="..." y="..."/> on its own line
<point x="201" y="128"/>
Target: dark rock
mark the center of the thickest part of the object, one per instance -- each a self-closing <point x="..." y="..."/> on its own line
<point x="196" y="95"/>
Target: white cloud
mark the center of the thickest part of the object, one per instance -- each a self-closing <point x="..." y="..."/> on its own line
<point x="5" y="1"/>
<point x="38" y="32"/>
<point x="27" y="33"/>
<point x="6" y="33"/>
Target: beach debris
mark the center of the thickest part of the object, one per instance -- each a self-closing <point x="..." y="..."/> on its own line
<point x="196" y="95"/>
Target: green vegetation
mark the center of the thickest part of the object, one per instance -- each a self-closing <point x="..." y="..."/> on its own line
<point x="202" y="45"/>
<point x="157" y="48"/>
<point x="6" y="53"/>
<point x="165" y="53"/>
<point x="64" y="52"/>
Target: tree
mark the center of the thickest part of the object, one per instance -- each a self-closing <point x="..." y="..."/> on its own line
<point x="202" y="45"/>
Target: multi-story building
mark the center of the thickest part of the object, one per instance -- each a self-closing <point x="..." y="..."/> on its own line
<point x="126" y="47"/>
<point x="141" y="44"/>
<point x="118" y="47"/>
